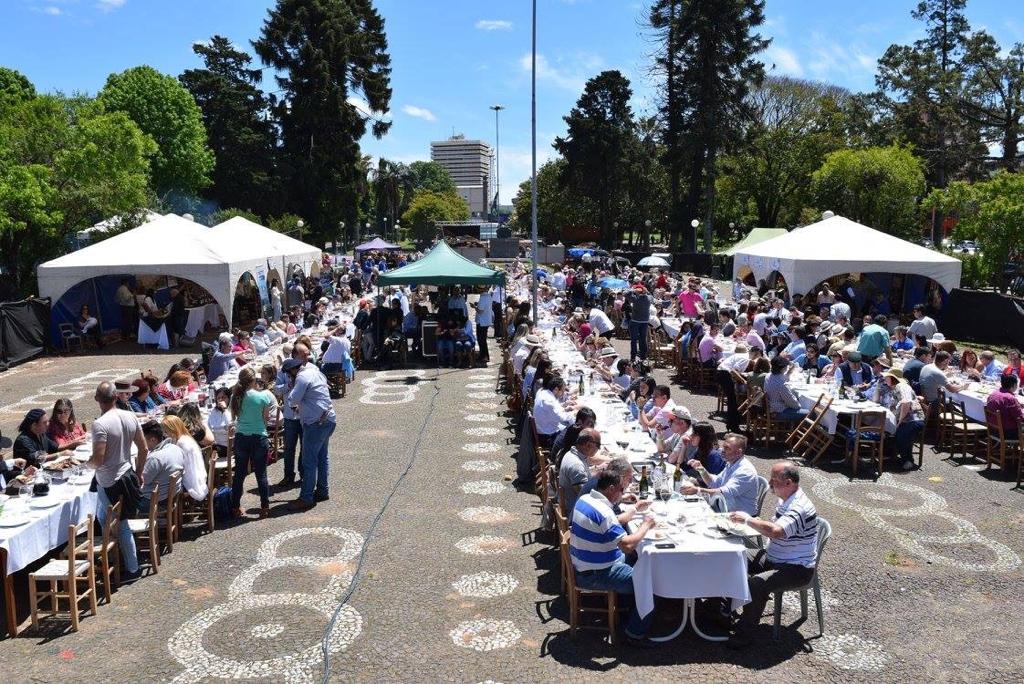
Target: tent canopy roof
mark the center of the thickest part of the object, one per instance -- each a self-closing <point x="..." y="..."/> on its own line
<point x="242" y="239"/>
<point x="755" y="236"/>
<point x="443" y="266"/>
<point x="837" y="245"/>
<point x="376" y="243"/>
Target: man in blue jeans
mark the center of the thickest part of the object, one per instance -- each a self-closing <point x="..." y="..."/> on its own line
<point x="311" y="400"/>
<point x="598" y="543"/>
<point x="639" y="321"/>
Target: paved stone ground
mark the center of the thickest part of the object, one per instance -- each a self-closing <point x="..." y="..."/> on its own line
<point x="922" y="579"/>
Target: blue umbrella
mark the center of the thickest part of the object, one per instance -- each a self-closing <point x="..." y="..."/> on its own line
<point x="613" y="283"/>
<point x="541" y="273"/>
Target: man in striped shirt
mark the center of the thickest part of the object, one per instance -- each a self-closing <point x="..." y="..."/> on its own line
<point x="598" y="542"/>
<point x="788" y="560"/>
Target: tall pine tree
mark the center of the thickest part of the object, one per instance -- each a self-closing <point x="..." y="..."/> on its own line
<point x="238" y="126"/>
<point x="327" y="52"/>
<point x="710" y="63"/>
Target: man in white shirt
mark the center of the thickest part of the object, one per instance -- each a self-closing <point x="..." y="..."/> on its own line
<point x="549" y="414"/>
<point x="661" y="413"/>
<point x="788" y="561"/>
<point x="558" y="280"/>
<point x="922" y="324"/>
<point x="738" y="362"/>
<point x="737" y="483"/>
<point x="600" y="322"/>
<point x="484" y="320"/>
<point x="529" y="342"/>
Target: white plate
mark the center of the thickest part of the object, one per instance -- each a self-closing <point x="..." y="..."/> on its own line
<point x="14" y="520"/>
<point x="44" y="502"/>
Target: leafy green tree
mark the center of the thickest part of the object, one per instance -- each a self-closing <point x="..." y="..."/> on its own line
<point x="288" y="224"/>
<point x="429" y="175"/>
<point x="558" y="208"/>
<point x="877" y="186"/>
<point x="222" y="215"/>
<point x="238" y="126"/>
<point x="994" y="95"/>
<point x="646" y="187"/>
<point x="326" y="52"/>
<point x="14" y="88"/>
<point x="992" y="213"/>
<point x="427" y="208"/>
<point x="392" y="189"/>
<point x="597" y="144"/>
<point x="710" y="60"/>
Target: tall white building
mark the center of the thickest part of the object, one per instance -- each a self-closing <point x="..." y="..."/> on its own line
<point x="470" y="164"/>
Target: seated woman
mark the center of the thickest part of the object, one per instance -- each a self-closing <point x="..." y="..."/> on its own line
<point x="64" y="429"/>
<point x="193" y="419"/>
<point x="969" y="364"/>
<point x="33" y="443"/>
<point x="704" y="450"/>
<point x="153" y="383"/>
<point x="465" y="343"/>
<point x="86" y="325"/>
<point x="176" y="387"/>
<point x="193" y="478"/>
<point x="142" y="398"/>
<point x="446" y="342"/>
<point x="220" y="421"/>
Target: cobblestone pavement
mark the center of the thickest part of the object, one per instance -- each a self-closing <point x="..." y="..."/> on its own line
<point x="922" y="578"/>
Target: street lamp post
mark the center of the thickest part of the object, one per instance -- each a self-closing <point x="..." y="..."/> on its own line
<point x="497" y="161"/>
<point x="646" y="239"/>
<point x="341" y="236"/>
<point x="694" y="224"/>
<point x="299" y="224"/>
<point x="533" y="156"/>
<point x="385" y="236"/>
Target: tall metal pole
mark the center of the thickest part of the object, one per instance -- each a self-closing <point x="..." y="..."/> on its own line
<point x="533" y="171"/>
<point x="497" y="161"/>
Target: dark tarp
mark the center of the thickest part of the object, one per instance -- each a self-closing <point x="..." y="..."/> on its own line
<point x="23" y="327"/>
<point x="987" y="317"/>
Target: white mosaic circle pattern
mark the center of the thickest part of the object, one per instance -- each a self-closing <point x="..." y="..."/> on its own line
<point x="484" y="545"/>
<point x="481" y="406"/>
<point x="486" y="635"/>
<point x="188" y="647"/>
<point x="268" y="631"/>
<point x="485" y="515"/>
<point x="480" y="395"/>
<point x="481" y="431"/>
<point x="483" y="487"/>
<point x="478" y="385"/>
<point x="480" y="417"/>
<point x="380" y="389"/>
<point x="485" y="585"/>
<point x="481" y="447"/>
<point x="481" y="466"/>
<point x="791" y="602"/>
<point x="851" y="652"/>
<point x="481" y="376"/>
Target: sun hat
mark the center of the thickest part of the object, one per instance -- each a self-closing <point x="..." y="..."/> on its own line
<point x="532" y="341"/>
<point x="608" y="351"/>
<point x="681" y="413"/>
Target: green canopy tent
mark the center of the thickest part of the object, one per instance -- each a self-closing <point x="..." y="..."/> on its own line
<point x="755" y="236"/>
<point x="443" y="266"/>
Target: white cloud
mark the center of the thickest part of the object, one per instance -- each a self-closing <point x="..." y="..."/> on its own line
<point x="784" y="60"/>
<point x="493" y="25"/>
<point x="567" y="73"/>
<point x="110" y="5"/>
<point x="363" y="107"/>
<point x="52" y="11"/>
<point x="419" y="112"/>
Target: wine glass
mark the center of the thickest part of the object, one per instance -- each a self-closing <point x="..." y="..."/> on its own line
<point x="25" y="493"/>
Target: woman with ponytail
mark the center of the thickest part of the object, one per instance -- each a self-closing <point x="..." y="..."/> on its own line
<point x="252" y="409"/>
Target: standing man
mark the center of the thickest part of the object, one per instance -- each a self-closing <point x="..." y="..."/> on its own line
<point x="311" y="401"/>
<point x="292" y="427"/>
<point x="126" y="302"/>
<point x="789" y="559"/>
<point x="484" y="320"/>
<point x="113" y="434"/>
<point x="922" y="325"/>
<point x="639" y="321"/>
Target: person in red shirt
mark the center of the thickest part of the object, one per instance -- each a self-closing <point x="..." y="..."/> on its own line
<point x="1004" y="402"/>
<point x="1013" y="365"/>
<point x="662" y="281"/>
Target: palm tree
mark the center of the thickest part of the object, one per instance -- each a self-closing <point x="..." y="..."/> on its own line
<point x="392" y="185"/>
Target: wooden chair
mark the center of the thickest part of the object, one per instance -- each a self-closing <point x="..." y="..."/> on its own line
<point x="145" y="531"/>
<point x="963" y="435"/>
<point x="168" y="523"/>
<point x="577" y="598"/>
<point x="224" y="468"/>
<point x="997" y="442"/>
<point x="753" y="413"/>
<point x="106" y="552"/>
<point x="72" y="579"/>
<point x="926" y="409"/>
<point x="774" y="429"/>
<point x="810" y="438"/>
<point x="866" y="434"/>
<point x="193" y="511"/>
<point x="941" y="419"/>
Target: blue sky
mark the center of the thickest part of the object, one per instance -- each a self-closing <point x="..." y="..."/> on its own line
<point x="452" y="59"/>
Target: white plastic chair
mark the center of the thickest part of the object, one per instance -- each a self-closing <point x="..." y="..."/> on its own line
<point x="69" y="336"/>
<point x="762" y="493"/>
<point x="824" y="532"/>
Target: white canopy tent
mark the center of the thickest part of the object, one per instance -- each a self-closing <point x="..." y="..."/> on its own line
<point x="213" y="258"/>
<point x="834" y="246"/>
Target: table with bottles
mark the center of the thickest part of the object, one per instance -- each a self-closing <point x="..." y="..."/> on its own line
<point x="843" y="403"/>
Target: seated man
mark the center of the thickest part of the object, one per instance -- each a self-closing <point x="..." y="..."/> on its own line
<point x="446" y="335"/>
<point x="933" y="378"/>
<point x="566" y="437"/>
<point x="86" y="325"/>
<point x="465" y="343"/>
<point x="902" y="345"/>
<point x="782" y="401"/>
<point x="598" y="542"/>
<point x="792" y="552"/>
<point x="577" y="464"/>
<point x="164" y="460"/>
<point x="1004" y="402"/>
<point x="856" y="373"/>
<point x="661" y="413"/>
<point x="812" y="361"/>
<point x="708" y="350"/>
<point x="737" y="483"/>
<point x="990" y="368"/>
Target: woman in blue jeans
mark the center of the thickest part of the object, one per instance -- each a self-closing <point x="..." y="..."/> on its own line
<point x="252" y="409"/>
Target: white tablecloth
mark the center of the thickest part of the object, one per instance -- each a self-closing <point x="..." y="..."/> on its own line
<point x="48" y="528"/>
<point x="147" y="336"/>
<point x="698" y="566"/>
<point x="808" y="395"/>
<point x="199" y="316"/>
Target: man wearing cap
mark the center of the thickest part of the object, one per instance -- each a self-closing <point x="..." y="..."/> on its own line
<point x="311" y="401"/>
<point x="260" y="341"/>
<point x="902" y="401"/>
<point x="855" y="372"/>
<point x="639" y="321"/>
<point x="605" y="365"/>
